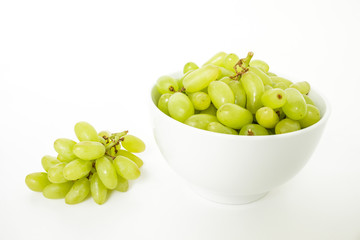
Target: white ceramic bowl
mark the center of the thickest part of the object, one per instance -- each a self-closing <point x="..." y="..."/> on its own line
<point x="235" y="169"/>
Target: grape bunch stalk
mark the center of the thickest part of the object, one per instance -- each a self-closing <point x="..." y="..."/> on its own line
<point x="93" y="166"/>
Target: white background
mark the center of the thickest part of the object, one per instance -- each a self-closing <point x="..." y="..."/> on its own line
<point x="66" y="61"/>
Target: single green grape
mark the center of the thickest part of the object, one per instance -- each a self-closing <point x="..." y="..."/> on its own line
<point x="77" y="169"/>
<point x="78" y="192"/>
<point x="276" y="79"/>
<point x="37" y="181"/>
<point x="308" y="100"/>
<point x="64" y="147"/>
<point x="303" y="87"/>
<point x="180" y="107"/>
<point x="274" y="98"/>
<point x="57" y="190"/>
<point x="267" y="87"/>
<point x="239" y="93"/>
<point x="190" y="66"/>
<point x="133" y="144"/>
<point x="270" y="74"/>
<point x="266" y="117"/>
<point x="48" y="161"/>
<point x="262" y="75"/>
<point x="234" y="116"/>
<point x="131" y="156"/>
<point x="220" y="93"/>
<point x="217" y="59"/>
<point x="126" y="168"/>
<point x="312" y="116"/>
<point x="200" y="121"/>
<point x="166" y="84"/>
<point x="88" y="150"/>
<point x="106" y="172"/>
<point x="225" y="80"/>
<point x="280" y="85"/>
<point x="85" y="132"/>
<point x="254" y="89"/>
<point x="105" y="134"/>
<point x="219" y="128"/>
<point x="201" y="78"/>
<point x="260" y="64"/>
<point x="200" y="100"/>
<point x="210" y="110"/>
<point x="295" y="106"/>
<point x="163" y="103"/>
<point x="224" y="72"/>
<point x="229" y="61"/>
<point x="287" y="125"/>
<point x="123" y="184"/>
<point x="253" y="129"/>
<point x="55" y="173"/>
<point x="98" y="189"/>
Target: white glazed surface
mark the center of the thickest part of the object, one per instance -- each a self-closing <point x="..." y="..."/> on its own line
<point x="235" y="169"/>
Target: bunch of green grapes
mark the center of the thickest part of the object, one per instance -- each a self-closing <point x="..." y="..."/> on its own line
<point x="93" y="166"/>
<point x="237" y="96"/>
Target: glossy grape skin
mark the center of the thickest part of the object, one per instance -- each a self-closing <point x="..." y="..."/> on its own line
<point x="229" y="61"/>
<point x="274" y="98"/>
<point x="88" y="150"/>
<point x="263" y="76"/>
<point x="220" y="93"/>
<point x="189" y="67"/>
<point x="270" y="74"/>
<point x="210" y="110"/>
<point x="217" y="59"/>
<point x="308" y="100"/>
<point x="267" y="117"/>
<point x="48" y="161"/>
<point x="295" y="106"/>
<point x="303" y="87"/>
<point x="219" y="128"/>
<point x="234" y="116"/>
<point x="200" y="100"/>
<point x="180" y="107"/>
<point x="98" y="189"/>
<point x="225" y="80"/>
<point x="78" y="192"/>
<point x="163" y="103"/>
<point x="254" y="89"/>
<point x="260" y="64"/>
<point x="200" y="78"/>
<point x="239" y="93"/>
<point x="57" y="190"/>
<point x="224" y="73"/>
<point x="77" y="169"/>
<point x="280" y="85"/>
<point x="123" y="184"/>
<point x="287" y="125"/>
<point x="253" y="130"/>
<point x="276" y="79"/>
<point x="133" y="144"/>
<point x="126" y="168"/>
<point x="37" y="181"/>
<point x="131" y="156"/>
<point x="166" y="84"/>
<point x="106" y="172"/>
<point x="85" y="132"/>
<point x="312" y="116"/>
<point x="64" y="147"/>
<point x="200" y="121"/>
<point x="55" y="173"/>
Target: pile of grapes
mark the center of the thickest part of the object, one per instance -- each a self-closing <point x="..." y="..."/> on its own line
<point x="95" y="165"/>
<point x="237" y="96"/>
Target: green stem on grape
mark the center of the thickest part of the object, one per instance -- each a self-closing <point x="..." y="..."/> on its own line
<point x="242" y="66"/>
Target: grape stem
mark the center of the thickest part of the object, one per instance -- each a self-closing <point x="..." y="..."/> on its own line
<point x="242" y="66"/>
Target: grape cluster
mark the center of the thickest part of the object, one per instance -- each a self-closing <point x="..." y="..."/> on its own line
<point x="236" y="96"/>
<point x="95" y="165"/>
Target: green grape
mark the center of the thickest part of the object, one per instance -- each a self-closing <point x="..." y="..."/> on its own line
<point x="280" y="85"/>
<point x="64" y="147"/>
<point x="274" y="98"/>
<point x="163" y="103"/>
<point x="123" y="184"/>
<point x="201" y="78"/>
<point x="224" y="73"/>
<point x="270" y="74"/>
<point x="180" y="81"/>
<point x="267" y="87"/>
<point x="57" y="190"/>
<point x="229" y="61"/>
<point x="200" y="100"/>
<point x="131" y="156"/>
<point x="101" y="140"/>
<point x="219" y="128"/>
<point x="78" y="192"/>
<point x="106" y="172"/>
<point x="220" y="93"/>
<point x="266" y="117"/>
<point x="312" y="116"/>
<point x="287" y="125"/>
<point x="234" y="116"/>
<point x="77" y="169"/>
<point x="276" y="79"/>
<point x="55" y="173"/>
<point x="133" y="144"/>
<point x="263" y="76"/>
<point x="260" y="64"/>
<point x="308" y="100"/>
<point x="105" y="134"/>
<point x="85" y="132"/>
<point x="217" y="59"/>
<point x="190" y="66"/>
<point x="65" y="158"/>
<point x="88" y="150"/>
<point x="180" y="107"/>
<point x="37" y="181"/>
<point x="210" y="110"/>
<point x="303" y="87"/>
<point x="280" y="113"/>
<point x="200" y="121"/>
<point x="48" y="161"/>
<point x="295" y="107"/>
<point x="239" y="93"/>
<point x="98" y="189"/>
<point x="253" y="130"/>
<point x="225" y="80"/>
<point x="254" y="89"/>
<point x="126" y="168"/>
<point x="166" y="84"/>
